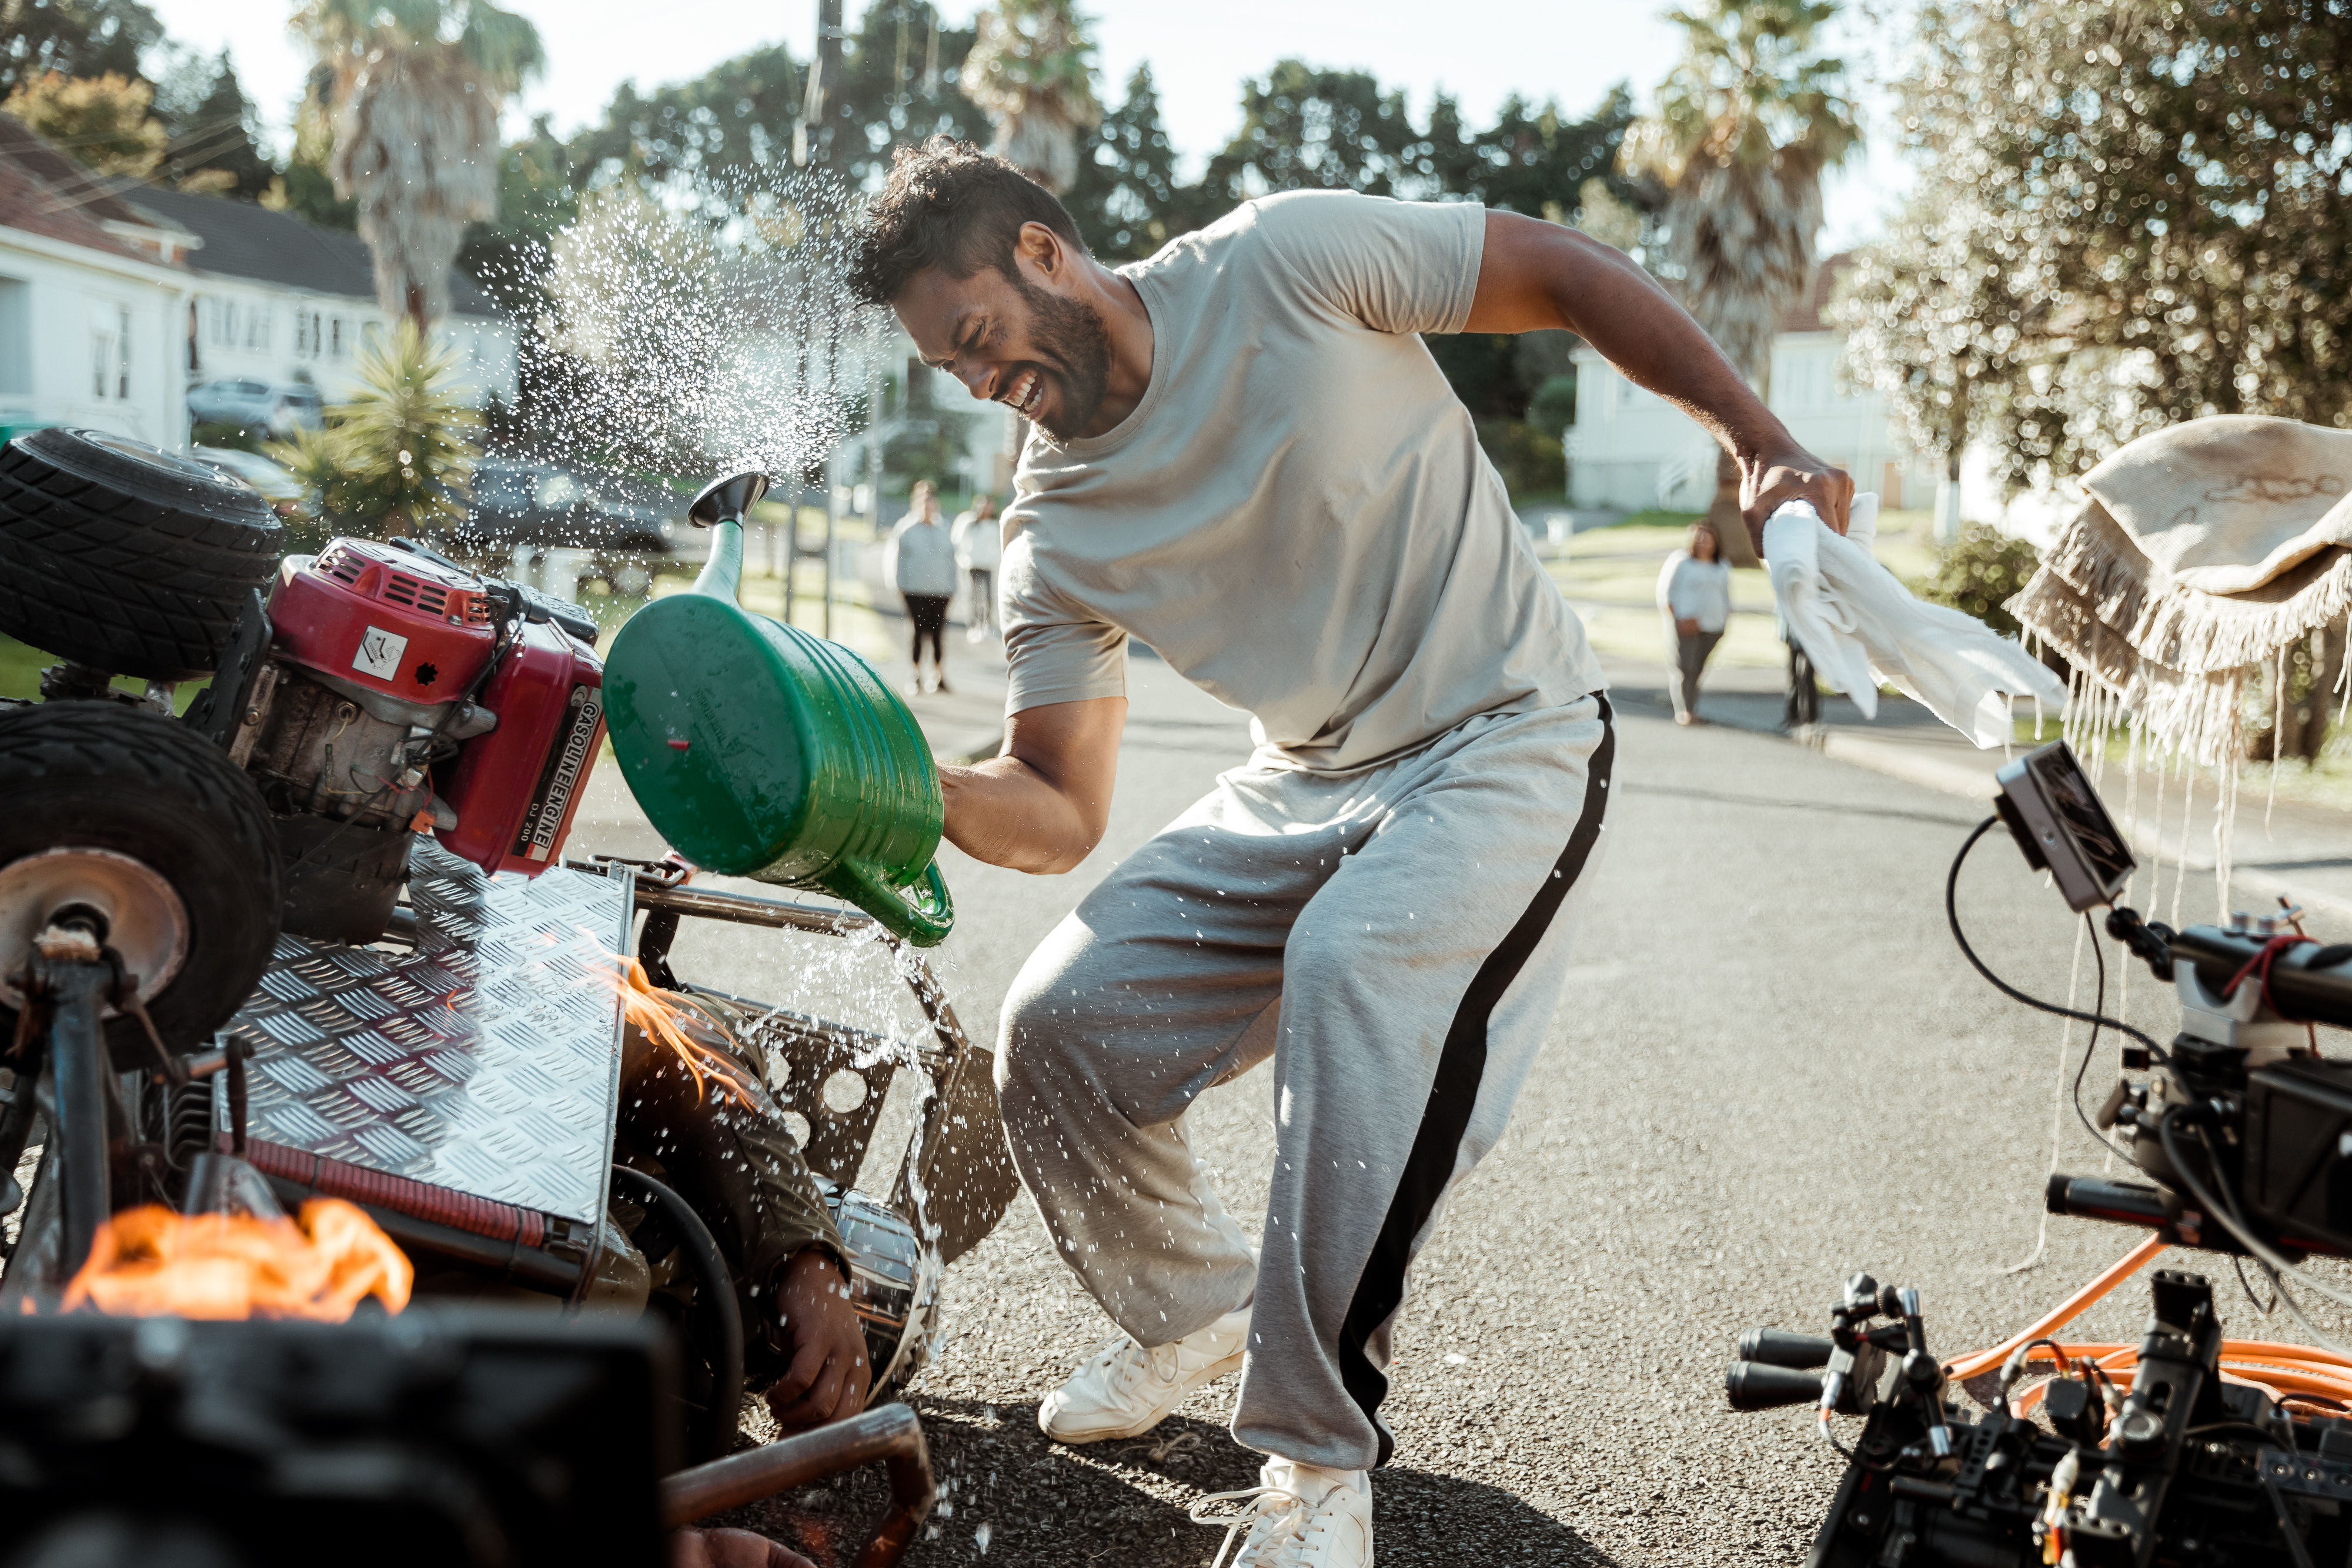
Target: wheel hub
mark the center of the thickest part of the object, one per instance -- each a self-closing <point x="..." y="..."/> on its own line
<point x="146" y="922"/>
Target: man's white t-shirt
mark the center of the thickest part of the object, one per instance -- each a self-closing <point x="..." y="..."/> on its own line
<point x="1296" y="516"/>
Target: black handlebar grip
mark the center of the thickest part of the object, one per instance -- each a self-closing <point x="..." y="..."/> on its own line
<point x="1752" y="1386"/>
<point x="1778" y="1347"/>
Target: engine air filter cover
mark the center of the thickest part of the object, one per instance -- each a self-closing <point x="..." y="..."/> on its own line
<point x="384" y="619"/>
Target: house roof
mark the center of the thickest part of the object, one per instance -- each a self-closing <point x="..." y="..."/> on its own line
<point x="1805" y="314"/>
<point x="43" y="192"/>
<point x="244" y="240"/>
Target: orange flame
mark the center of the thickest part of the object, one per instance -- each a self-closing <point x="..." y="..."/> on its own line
<point x="149" y="1261"/>
<point x="656" y="1013"/>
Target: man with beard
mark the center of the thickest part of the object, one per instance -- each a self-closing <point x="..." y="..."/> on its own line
<point x="1244" y="456"/>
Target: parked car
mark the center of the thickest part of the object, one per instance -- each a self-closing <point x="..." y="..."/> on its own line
<point x="257" y="472"/>
<point x="641" y="517"/>
<point x="519" y="502"/>
<point x="242" y="401"/>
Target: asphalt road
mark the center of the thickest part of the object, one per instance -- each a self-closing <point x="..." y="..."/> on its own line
<point x="1773" y="1068"/>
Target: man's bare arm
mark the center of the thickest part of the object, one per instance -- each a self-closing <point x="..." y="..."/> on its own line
<point x="1537" y="275"/>
<point x="1043" y="805"/>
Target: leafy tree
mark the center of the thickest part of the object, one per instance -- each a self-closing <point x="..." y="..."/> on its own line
<point x="202" y="105"/>
<point x="398" y="454"/>
<point x="101" y="120"/>
<point x="1935" y="323"/>
<point x="1537" y="161"/>
<point x="73" y="38"/>
<point x="1740" y="135"/>
<point x="540" y="186"/>
<point x="695" y="136"/>
<point x="417" y="89"/>
<point x="901" y="83"/>
<point x="310" y="188"/>
<point x="2158" y="225"/>
<point x="1126" y="199"/>
<point x="1305" y="128"/>
<point x="1031" y="70"/>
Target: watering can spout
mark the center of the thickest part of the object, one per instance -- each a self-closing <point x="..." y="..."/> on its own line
<point x="727" y="498"/>
<point x="720" y="508"/>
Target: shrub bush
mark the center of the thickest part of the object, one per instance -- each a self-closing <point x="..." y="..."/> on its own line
<point x="1978" y="573"/>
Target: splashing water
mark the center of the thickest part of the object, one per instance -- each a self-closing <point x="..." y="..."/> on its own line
<point x="704" y="325"/>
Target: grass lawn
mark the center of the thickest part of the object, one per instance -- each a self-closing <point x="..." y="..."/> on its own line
<point x="1611" y="576"/>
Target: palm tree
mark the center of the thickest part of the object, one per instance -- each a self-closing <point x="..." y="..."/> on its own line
<point x="1031" y="71"/>
<point x="399" y="454"/>
<point x="1743" y="130"/>
<point x="417" y="87"/>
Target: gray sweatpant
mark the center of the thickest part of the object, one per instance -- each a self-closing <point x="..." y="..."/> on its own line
<point x="1397" y="940"/>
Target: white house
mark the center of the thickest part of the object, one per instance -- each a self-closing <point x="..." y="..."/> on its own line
<point x="281" y="299"/>
<point x="1629" y="450"/>
<point x="92" y="297"/>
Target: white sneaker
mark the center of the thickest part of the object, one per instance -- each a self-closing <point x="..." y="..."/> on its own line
<point x="1123" y="1389"/>
<point x="1303" y="1516"/>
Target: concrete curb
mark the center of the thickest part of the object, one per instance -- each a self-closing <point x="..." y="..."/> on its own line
<point x="1911" y="766"/>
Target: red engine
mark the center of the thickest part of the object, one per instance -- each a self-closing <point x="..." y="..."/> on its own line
<point x="516" y="788"/>
<point x="398" y="694"/>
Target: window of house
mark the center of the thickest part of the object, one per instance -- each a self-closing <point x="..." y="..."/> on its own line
<point x="301" y="331"/>
<point x="101" y="358"/>
<point x="337" y="337"/>
<point x="15" y="336"/>
<point x="123" y="354"/>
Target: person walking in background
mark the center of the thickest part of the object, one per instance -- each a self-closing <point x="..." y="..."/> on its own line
<point x="978" y="546"/>
<point x="1695" y="597"/>
<point x="924" y="566"/>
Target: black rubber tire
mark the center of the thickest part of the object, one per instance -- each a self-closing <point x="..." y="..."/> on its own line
<point x="124" y="557"/>
<point x="341" y="878"/>
<point x="115" y="777"/>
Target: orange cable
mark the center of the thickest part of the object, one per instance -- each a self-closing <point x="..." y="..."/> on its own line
<point x="1967" y="1366"/>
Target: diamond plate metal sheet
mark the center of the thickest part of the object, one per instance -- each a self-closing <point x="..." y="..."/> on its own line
<point x="487" y="1061"/>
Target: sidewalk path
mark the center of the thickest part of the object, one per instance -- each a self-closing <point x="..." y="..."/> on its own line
<point x="2300" y="851"/>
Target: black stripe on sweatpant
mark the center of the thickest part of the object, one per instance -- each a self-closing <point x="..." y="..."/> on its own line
<point x="1461" y="1064"/>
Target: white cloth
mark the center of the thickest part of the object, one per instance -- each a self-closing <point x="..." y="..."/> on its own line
<point x="1860" y="626"/>
<point x="979" y="541"/>
<point x="1693" y="589"/>
<point x="923" y="558"/>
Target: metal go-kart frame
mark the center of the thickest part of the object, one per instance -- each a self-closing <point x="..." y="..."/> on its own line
<point x="954" y="1181"/>
<point x="958" y="1175"/>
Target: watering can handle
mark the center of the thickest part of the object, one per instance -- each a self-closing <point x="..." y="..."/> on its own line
<point x="922" y="924"/>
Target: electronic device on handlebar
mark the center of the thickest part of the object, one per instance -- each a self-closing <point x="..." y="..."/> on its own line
<point x="2243" y="1133"/>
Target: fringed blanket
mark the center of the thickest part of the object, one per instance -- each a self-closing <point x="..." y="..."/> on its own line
<point x="2201" y="552"/>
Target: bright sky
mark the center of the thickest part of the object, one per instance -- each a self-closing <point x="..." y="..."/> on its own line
<point x="1572" y="50"/>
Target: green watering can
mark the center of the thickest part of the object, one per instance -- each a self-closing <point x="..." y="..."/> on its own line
<point x="759" y="751"/>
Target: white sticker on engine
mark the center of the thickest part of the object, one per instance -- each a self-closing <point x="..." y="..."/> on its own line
<point x="378" y="654"/>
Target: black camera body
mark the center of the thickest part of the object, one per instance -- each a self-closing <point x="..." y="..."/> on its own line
<point x="2188" y="1470"/>
<point x="2240" y="1113"/>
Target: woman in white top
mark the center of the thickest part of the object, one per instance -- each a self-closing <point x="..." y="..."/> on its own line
<point x="1695" y="598"/>
<point x="923" y="563"/>
<point x="979" y="547"/>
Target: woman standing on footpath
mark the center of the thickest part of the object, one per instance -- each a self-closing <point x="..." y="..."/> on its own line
<point x="924" y="571"/>
<point x="1695" y="597"/>
<point x="979" y="547"/>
